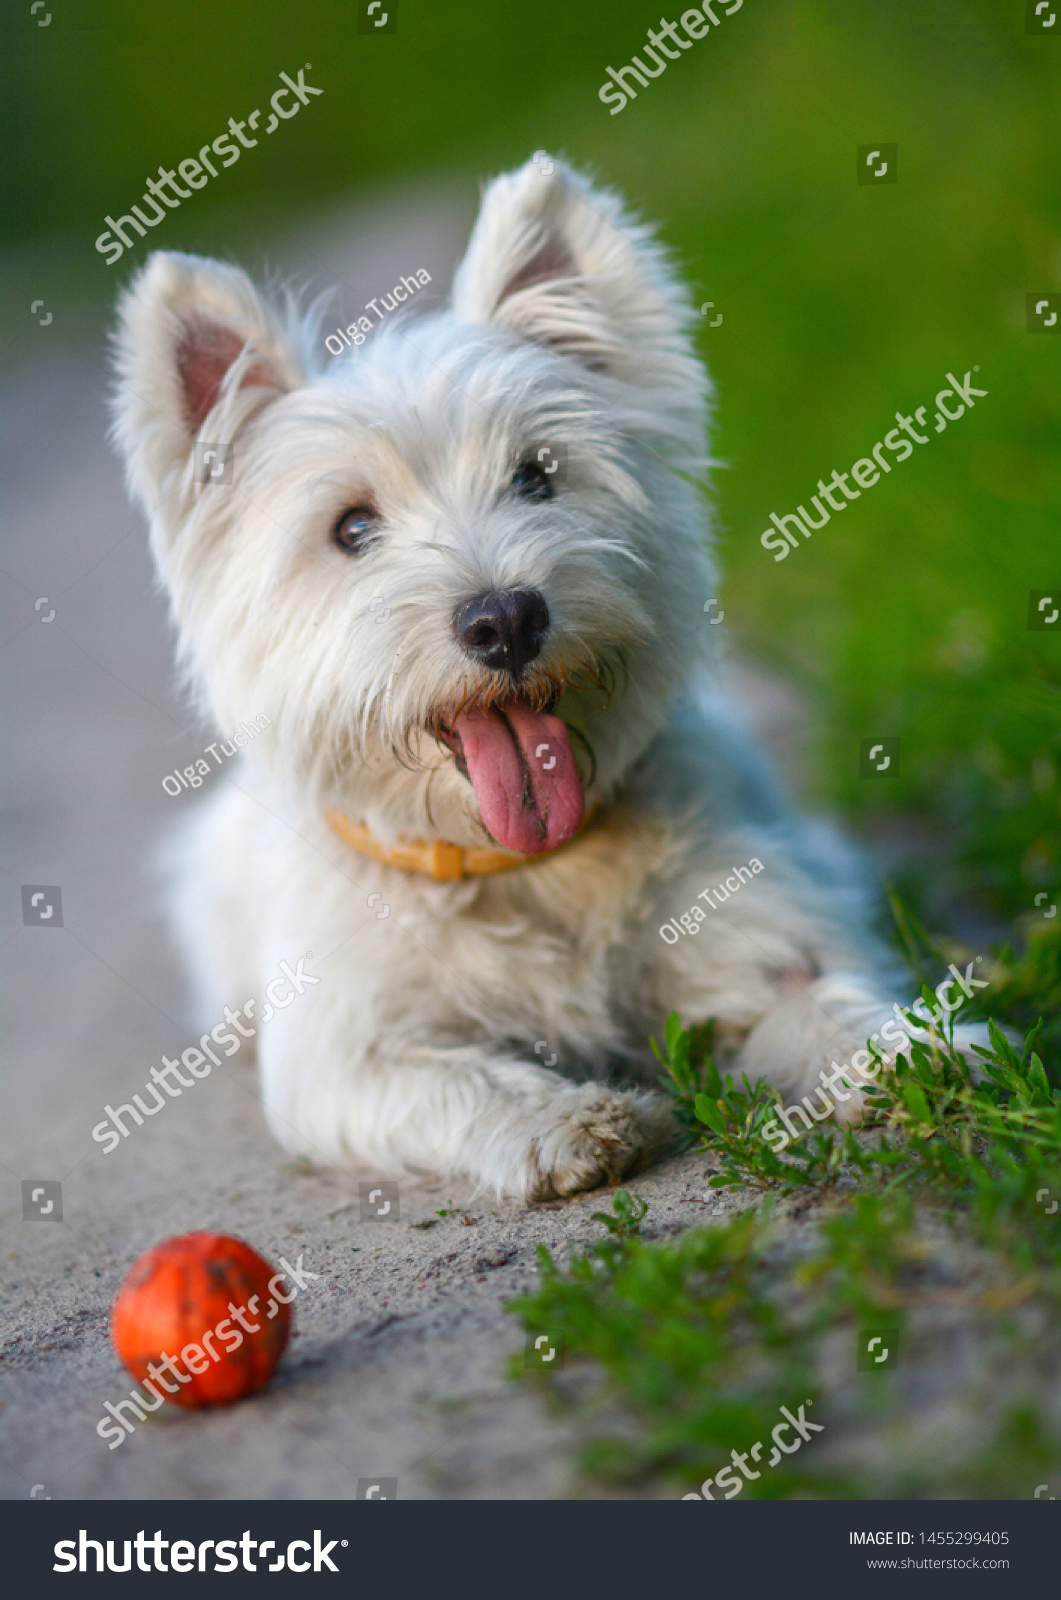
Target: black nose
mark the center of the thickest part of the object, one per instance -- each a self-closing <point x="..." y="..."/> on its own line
<point x="504" y="629"/>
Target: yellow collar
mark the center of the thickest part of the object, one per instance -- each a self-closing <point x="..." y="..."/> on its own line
<point x="445" y="862"/>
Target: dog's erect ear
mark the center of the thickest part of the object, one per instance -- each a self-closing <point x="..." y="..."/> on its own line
<point x="561" y="263"/>
<point x="194" y="340"/>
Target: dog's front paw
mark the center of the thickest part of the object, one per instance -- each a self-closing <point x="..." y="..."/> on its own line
<point x="586" y="1136"/>
<point x="855" y="1110"/>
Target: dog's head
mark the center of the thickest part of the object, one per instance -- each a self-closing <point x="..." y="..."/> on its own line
<point x="463" y="570"/>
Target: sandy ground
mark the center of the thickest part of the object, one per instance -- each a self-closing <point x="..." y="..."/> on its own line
<point x="397" y="1369"/>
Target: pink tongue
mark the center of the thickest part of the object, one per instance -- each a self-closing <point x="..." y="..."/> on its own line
<point x="524" y="777"/>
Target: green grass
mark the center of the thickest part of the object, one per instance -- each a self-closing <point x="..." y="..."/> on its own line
<point x="907" y="614"/>
<point x="699" y="1341"/>
<point x="996" y="1133"/>
<point x="702" y="1340"/>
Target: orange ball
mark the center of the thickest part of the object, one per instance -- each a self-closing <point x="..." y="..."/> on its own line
<point x="177" y="1310"/>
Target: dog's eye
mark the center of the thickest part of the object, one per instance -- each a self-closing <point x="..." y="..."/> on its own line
<point x="354" y="527"/>
<point x="532" y="483"/>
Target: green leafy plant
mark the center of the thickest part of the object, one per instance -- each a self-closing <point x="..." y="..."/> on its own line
<point x="686" y="1061"/>
<point x="704" y="1337"/>
<point x="627" y="1213"/>
<point x="730" y="1120"/>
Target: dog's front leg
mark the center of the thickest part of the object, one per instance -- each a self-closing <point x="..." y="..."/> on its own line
<point x="804" y="1000"/>
<point x="407" y="1106"/>
<point x="826" y="1046"/>
<point x="784" y="1024"/>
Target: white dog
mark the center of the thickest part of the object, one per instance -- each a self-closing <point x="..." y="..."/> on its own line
<point x="463" y="572"/>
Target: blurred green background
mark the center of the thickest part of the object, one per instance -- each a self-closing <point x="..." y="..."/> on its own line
<point x="906" y="615"/>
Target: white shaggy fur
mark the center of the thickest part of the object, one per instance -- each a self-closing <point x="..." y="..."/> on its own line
<point x="417" y="1049"/>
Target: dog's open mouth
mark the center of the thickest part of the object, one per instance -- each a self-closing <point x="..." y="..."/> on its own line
<point x="520" y="764"/>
